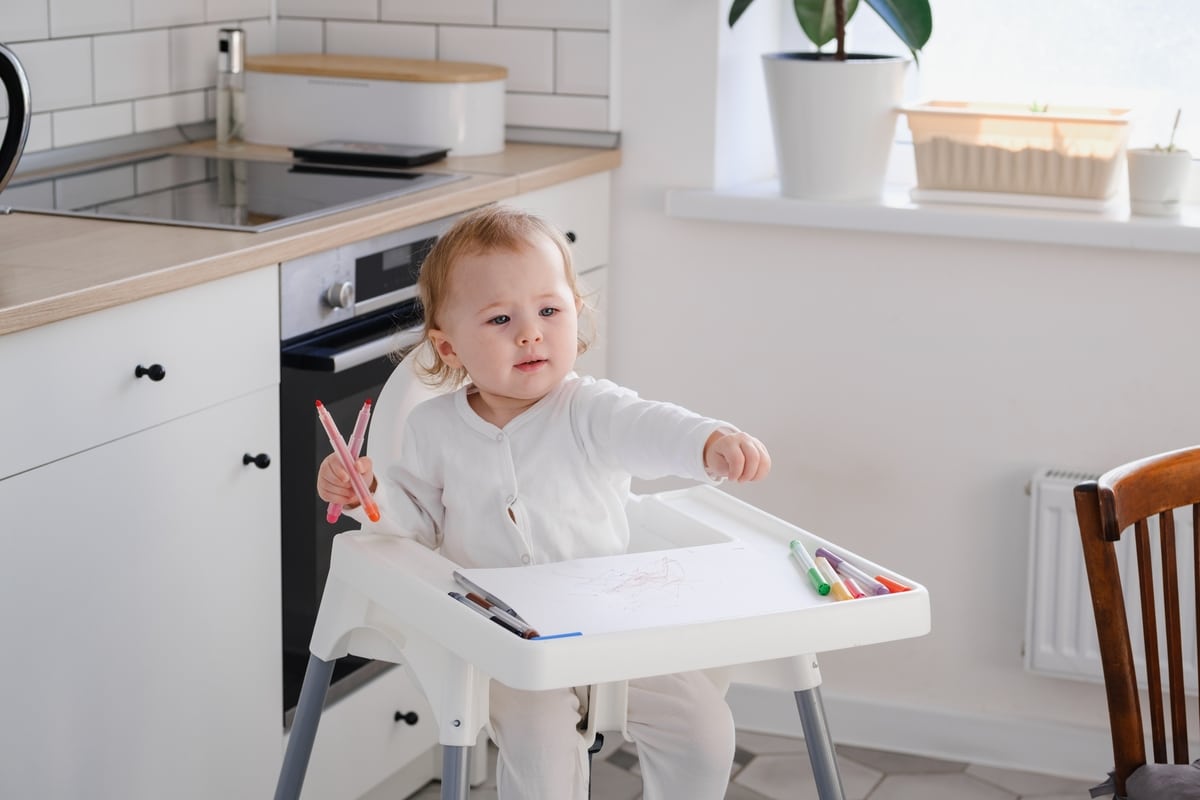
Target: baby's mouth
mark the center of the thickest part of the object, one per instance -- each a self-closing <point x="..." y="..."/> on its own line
<point x="531" y="364"/>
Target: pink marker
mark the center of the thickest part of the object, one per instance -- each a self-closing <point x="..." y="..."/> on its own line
<point x="355" y="447"/>
<point x="339" y="447"/>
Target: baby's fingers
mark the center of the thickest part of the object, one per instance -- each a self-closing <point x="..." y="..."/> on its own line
<point x="751" y="461"/>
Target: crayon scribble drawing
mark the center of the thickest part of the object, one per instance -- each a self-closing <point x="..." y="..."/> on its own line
<point x="661" y="582"/>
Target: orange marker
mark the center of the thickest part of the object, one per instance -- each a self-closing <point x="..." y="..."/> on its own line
<point x="892" y="585"/>
<point x="339" y="446"/>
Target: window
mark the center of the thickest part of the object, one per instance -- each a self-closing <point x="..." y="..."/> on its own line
<point x="1143" y="55"/>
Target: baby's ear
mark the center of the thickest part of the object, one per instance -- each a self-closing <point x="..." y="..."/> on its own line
<point x="444" y="349"/>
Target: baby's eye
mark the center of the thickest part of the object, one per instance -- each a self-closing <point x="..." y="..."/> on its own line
<point x="548" y="312"/>
<point x="499" y="320"/>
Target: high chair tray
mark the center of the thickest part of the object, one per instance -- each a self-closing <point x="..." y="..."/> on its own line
<point x="764" y="609"/>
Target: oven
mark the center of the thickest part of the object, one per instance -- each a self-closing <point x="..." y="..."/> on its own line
<point x="343" y="315"/>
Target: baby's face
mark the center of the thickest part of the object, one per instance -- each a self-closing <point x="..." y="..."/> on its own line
<point x="512" y="321"/>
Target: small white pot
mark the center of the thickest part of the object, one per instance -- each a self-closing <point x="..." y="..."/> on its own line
<point x="1157" y="179"/>
<point x="834" y="122"/>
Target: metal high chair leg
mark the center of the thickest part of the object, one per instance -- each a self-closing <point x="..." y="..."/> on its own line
<point x="593" y="748"/>
<point x="820" y="748"/>
<point x="304" y="728"/>
<point x="455" y="761"/>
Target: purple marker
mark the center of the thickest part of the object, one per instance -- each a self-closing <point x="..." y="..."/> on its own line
<point x="848" y="570"/>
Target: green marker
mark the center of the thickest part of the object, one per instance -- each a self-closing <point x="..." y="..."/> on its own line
<point x="818" y="581"/>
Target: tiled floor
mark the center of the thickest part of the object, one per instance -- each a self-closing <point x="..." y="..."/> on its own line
<point x="776" y="768"/>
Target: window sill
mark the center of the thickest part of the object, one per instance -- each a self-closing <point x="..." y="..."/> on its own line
<point x="895" y="212"/>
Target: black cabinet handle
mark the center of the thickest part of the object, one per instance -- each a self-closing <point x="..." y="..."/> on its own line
<point x="570" y="236"/>
<point x="154" y="372"/>
<point x="262" y="460"/>
<point x="411" y="717"/>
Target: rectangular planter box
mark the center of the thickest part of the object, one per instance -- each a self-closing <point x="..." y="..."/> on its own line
<point x="993" y="147"/>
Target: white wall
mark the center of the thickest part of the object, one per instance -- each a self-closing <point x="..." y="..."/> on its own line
<point x="102" y="69"/>
<point x="907" y="387"/>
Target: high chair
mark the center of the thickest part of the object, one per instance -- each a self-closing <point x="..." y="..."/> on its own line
<point x="386" y="598"/>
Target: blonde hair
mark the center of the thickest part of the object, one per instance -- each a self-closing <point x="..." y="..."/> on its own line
<point x="485" y="230"/>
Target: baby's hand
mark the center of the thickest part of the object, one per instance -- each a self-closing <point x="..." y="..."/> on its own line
<point x="736" y="456"/>
<point x="333" y="483"/>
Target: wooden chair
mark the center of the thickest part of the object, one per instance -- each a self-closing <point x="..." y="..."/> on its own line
<point x="1126" y="499"/>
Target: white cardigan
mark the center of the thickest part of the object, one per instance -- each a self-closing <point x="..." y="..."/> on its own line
<point x="551" y="485"/>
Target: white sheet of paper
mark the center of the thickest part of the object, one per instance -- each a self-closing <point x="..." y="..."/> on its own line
<point x="707" y="583"/>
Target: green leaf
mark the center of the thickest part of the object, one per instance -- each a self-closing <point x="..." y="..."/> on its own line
<point x="737" y="9"/>
<point x="911" y="20"/>
<point x="817" y="18"/>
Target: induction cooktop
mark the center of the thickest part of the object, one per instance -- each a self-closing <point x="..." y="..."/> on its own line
<point x="227" y="193"/>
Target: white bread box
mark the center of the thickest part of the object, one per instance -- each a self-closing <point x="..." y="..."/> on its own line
<point x="297" y="99"/>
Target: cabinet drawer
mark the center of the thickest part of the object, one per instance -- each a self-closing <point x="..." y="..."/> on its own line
<point x="72" y="385"/>
<point x="579" y="207"/>
<point x="360" y="743"/>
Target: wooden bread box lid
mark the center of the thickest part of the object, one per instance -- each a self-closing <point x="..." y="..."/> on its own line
<point x="376" y="68"/>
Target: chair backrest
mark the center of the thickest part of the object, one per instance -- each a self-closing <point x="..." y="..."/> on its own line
<point x="402" y="392"/>
<point x="1125" y="500"/>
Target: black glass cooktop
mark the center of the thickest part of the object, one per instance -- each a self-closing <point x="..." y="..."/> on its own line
<point x="229" y="193"/>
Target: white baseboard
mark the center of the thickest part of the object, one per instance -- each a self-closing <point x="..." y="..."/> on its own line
<point x="1030" y="745"/>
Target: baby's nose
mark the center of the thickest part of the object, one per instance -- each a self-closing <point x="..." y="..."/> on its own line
<point x="529" y="335"/>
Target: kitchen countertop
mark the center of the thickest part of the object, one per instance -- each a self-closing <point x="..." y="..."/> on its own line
<point x="56" y="267"/>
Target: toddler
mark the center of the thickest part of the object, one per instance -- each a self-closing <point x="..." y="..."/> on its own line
<point x="528" y="463"/>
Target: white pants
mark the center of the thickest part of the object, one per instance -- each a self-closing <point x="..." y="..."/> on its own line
<point x="681" y="724"/>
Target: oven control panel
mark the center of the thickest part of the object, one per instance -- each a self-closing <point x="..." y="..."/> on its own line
<point x="334" y="286"/>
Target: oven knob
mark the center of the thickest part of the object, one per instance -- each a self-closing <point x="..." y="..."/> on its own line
<point x="340" y="295"/>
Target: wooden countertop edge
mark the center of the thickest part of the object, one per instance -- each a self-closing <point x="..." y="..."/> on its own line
<point x="294" y="241"/>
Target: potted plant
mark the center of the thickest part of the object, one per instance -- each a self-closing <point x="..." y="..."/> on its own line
<point x="834" y="114"/>
<point x="1157" y="177"/>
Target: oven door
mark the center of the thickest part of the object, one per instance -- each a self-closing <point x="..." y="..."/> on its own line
<point x="340" y="366"/>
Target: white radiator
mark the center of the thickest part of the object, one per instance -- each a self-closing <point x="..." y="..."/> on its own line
<point x="1060" y="631"/>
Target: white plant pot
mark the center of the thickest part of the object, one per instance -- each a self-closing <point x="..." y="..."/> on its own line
<point x="834" y="122"/>
<point x="1157" y="179"/>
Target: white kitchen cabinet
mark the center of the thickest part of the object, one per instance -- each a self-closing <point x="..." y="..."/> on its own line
<point x="581" y="209"/>
<point x="381" y="728"/>
<point x="140" y="577"/>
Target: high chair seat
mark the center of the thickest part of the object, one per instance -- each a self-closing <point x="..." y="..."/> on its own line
<point x="386" y="598"/>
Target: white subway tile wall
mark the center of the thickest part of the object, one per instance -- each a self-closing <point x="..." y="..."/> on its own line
<point x="171" y="109"/>
<point x="91" y="123"/>
<point x="105" y="68"/>
<point x="40" y="133"/>
<point x="25" y="20"/>
<point x="59" y="71"/>
<point x="161" y="13"/>
<point x="382" y="39"/>
<point x="581" y="62"/>
<point x="446" y="12"/>
<point x="300" y="36"/>
<point x="557" y="111"/>
<point x="330" y="9"/>
<point x="130" y="65"/>
<point x="586" y="14"/>
<point x="194" y="57"/>
<point x="528" y="54"/>
<point x="217" y="10"/>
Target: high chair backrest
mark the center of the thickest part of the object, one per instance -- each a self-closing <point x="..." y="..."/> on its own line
<point x="402" y="392"/>
<point x="1128" y="500"/>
